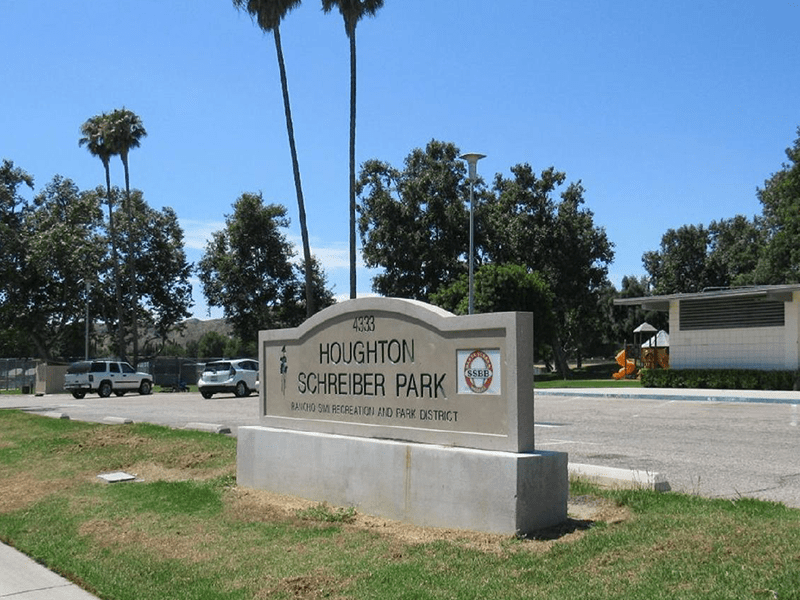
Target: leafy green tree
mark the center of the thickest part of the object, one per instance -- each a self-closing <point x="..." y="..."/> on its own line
<point x="96" y="133"/>
<point x="163" y="294"/>
<point x="172" y="348"/>
<point x="61" y="267"/>
<point x="293" y="303"/>
<point x="125" y="131"/>
<point x="680" y="265"/>
<point x="502" y="288"/>
<point x="525" y="224"/>
<point x="247" y="268"/>
<point x="352" y="12"/>
<point x="735" y="249"/>
<point x="582" y="270"/>
<point x="12" y="212"/>
<point x="193" y="348"/>
<point x="268" y="14"/>
<point x="414" y="222"/>
<point x="520" y="218"/>
<point x="693" y="258"/>
<point x="212" y="345"/>
<point x="62" y="244"/>
<point x="237" y="348"/>
<point x="11" y="179"/>
<point x="15" y="344"/>
<point x="13" y="206"/>
<point x="780" y="201"/>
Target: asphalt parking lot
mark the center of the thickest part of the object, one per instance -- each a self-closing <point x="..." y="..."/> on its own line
<point x="702" y="445"/>
<point x="715" y="446"/>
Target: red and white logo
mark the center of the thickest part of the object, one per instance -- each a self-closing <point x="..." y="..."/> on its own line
<point x="478" y="371"/>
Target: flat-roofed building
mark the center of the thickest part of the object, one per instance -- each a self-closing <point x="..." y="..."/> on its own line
<point x="734" y="328"/>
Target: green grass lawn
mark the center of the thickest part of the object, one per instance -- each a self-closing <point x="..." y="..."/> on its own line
<point x="590" y="376"/>
<point x="587" y="383"/>
<point x="187" y="531"/>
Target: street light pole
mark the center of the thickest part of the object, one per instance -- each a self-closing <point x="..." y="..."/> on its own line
<point x="472" y="159"/>
<point x="86" y="347"/>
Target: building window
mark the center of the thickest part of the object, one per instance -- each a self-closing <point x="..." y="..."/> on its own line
<point x="730" y="313"/>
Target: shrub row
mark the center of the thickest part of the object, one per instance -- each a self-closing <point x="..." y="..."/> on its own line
<point x="728" y="379"/>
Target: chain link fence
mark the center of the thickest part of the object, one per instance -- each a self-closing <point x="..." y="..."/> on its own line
<point x="173" y="371"/>
<point x="18" y="374"/>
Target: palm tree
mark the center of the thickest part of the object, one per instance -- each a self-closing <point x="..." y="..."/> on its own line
<point x="96" y="138"/>
<point x="126" y="132"/>
<point x="353" y="11"/>
<point x="269" y="14"/>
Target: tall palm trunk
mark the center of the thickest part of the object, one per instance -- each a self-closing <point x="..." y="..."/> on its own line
<point x="353" y="164"/>
<point x="352" y="12"/>
<point x="131" y="264"/>
<point x="115" y="265"/>
<point x="296" y="168"/>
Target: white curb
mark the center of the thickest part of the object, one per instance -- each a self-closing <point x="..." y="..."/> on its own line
<point x="53" y="414"/>
<point x="613" y="477"/>
<point x="117" y="420"/>
<point x="208" y="427"/>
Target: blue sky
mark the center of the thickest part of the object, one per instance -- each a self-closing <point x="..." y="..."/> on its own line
<point x="670" y="113"/>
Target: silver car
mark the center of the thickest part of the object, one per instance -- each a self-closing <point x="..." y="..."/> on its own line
<point x="239" y="377"/>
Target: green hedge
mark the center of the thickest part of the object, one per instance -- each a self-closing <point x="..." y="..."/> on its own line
<point x="728" y="379"/>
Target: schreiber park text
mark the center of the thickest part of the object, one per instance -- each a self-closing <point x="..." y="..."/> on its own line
<point x="331" y="379"/>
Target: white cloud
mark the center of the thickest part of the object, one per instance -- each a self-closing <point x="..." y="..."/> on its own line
<point x="197" y="233"/>
<point x="333" y="258"/>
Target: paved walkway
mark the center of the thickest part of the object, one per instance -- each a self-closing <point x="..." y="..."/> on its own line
<point x="22" y="578"/>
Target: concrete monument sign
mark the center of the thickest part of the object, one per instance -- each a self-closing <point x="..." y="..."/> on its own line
<point x="407" y="411"/>
<point x="398" y="369"/>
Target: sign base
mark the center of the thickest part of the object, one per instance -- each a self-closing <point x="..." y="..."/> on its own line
<point x="423" y="484"/>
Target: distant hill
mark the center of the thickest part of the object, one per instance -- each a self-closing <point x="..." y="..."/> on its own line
<point x="192" y="332"/>
<point x="196" y="329"/>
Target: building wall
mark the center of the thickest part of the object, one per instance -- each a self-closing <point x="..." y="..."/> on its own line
<point x="764" y="348"/>
<point x="50" y="378"/>
<point x="793" y="331"/>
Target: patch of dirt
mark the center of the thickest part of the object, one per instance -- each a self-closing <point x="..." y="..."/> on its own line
<point x="185" y="462"/>
<point x="19" y="490"/>
<point x="103" y="437"/>
<point x="190" y="460"/>
<point x="152" y="471"/>
<point x="594" y="508"/>
<point x="254" y="506"/>
<point x="172" y="544"/>
<point x="308" y="587"/>
<point x="260" y="505"/>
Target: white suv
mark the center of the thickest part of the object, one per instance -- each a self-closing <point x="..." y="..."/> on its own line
<point x="238" y="376"/>
<point x="105" y="377"/>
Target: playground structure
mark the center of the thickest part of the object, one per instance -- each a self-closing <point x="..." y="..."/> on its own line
<point x="652" y="354"/>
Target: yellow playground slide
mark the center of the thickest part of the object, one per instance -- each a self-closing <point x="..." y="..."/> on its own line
<point x="628" y="365"/>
